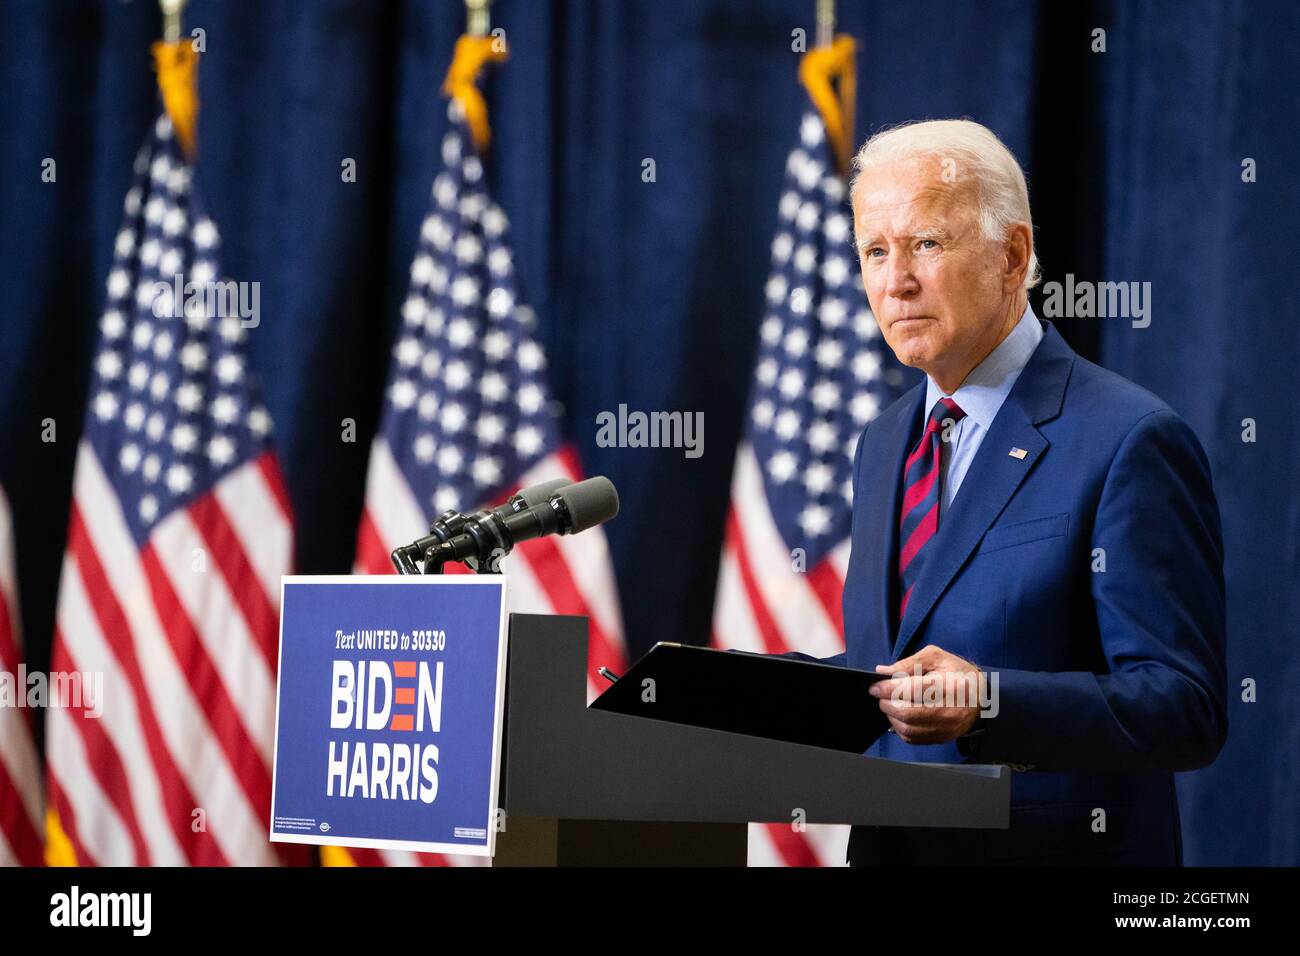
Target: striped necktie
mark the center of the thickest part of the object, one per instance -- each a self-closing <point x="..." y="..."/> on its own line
<point x="919" y="513"/>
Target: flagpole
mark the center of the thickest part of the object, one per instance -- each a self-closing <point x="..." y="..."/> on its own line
<point x="478" y="18"/>
<point x="171" y="11"/>
<point x="825" y="22"/>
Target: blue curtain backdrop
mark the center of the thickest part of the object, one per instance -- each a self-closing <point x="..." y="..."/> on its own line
<point x="649" y="294"/>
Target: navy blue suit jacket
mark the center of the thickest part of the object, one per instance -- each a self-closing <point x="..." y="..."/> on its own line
<point x="1109" y="680"/>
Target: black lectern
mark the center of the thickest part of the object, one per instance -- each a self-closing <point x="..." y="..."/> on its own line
<point x="586" y="787"/>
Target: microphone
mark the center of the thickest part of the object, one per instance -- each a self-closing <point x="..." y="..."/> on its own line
<point x="451" y="523"/>
<point x="488" y="537"/>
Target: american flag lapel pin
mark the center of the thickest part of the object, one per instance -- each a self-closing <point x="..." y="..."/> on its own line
<point x="1019" y="453"/>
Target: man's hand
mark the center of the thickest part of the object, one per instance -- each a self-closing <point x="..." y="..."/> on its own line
<point x="922" y="709"/>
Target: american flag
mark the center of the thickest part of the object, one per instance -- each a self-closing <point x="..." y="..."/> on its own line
<point x="468" y="416"/>
<point x="820" y="377"/>
<point x="20" y="773"/>
<point x="179" y="532"/>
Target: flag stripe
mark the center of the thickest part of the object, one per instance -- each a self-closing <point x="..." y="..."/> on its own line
<point x="20" y="842"/>
<point x="242" y="837"/>
<point x="248" y="501"/>
<point x="734" y="624"/>
<point x="828" y="587"/>
<point x="253" y="603"/>
<point x="587" y="556"/>
<point x="269" y="465"/>
<point x="10" y="653"/>
<point x="222" y="715"/>
<point x="89" y="609"/>
<point x="100" y="834"/>
<point x="548" y="565"/>
<point x="371" y="556"/>
<point x="525" y="595"/>
<point x="222" y="627"/>
<point x="839" y="559"/>
<point x="773" y="640"/>
<point x="20" y="796"/>
<point x="61" y="807"/>
<point x="798" y="610"/>
<point x="390" y="504"/>
<point x="825" y="843"/>
<point x="107" y="767"/>
<point x="793" y="848"/>
<point x="590" y="568"/>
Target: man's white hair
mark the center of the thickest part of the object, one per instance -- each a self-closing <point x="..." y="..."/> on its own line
<point x="969" y="153"/>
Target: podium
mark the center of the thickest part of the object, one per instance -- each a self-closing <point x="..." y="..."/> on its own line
<point x="586" y="787"/>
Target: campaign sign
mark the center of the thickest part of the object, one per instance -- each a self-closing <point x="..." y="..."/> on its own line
<point x="388" y="712"/>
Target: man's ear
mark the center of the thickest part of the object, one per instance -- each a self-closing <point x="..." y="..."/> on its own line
<point x="1019" y="246"/>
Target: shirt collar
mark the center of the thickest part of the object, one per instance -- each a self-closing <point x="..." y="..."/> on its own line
<point x="989" y="383"/>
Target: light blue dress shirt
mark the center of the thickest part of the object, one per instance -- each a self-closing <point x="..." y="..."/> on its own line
<point x="980" y="396"/>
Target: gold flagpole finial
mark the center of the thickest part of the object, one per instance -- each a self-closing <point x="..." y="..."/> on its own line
<point x="825" y="22"/>
<point x="177" y="63"/>
<point x="478" y="17"/>
<point x="171" y="11"/>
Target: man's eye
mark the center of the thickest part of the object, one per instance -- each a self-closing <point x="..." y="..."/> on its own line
<point x="929" y="244"/>
<point x="874" y="249"/>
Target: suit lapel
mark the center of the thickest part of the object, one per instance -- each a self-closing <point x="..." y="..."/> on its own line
<point x="993" y="477"/>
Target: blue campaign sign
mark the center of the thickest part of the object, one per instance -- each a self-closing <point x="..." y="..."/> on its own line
<point x="388" y="712"/>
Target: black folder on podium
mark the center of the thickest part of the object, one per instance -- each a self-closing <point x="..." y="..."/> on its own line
<point x="779" y="698"/>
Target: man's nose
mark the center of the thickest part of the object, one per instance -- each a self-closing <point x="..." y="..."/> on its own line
<point x="901" y="281"/>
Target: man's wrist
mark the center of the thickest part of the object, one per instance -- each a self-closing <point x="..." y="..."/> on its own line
<point x="969" y="742"/>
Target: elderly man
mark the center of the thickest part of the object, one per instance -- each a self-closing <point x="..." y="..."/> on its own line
<point x="1028" y="518"/>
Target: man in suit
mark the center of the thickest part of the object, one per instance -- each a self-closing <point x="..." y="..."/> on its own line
<point x="1025" y="518"/>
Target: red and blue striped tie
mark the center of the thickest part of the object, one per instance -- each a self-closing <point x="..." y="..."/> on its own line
<point x="919" y="513"/>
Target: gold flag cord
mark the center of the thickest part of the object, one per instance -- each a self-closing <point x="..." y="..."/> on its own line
<point x="472" y="53"/>
<point x="178" y="68"/>
<point x="818" y="71"/>
<point x="58" y="848"/>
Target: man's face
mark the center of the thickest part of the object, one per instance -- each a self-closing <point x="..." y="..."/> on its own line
<point x="935" y="285"/>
